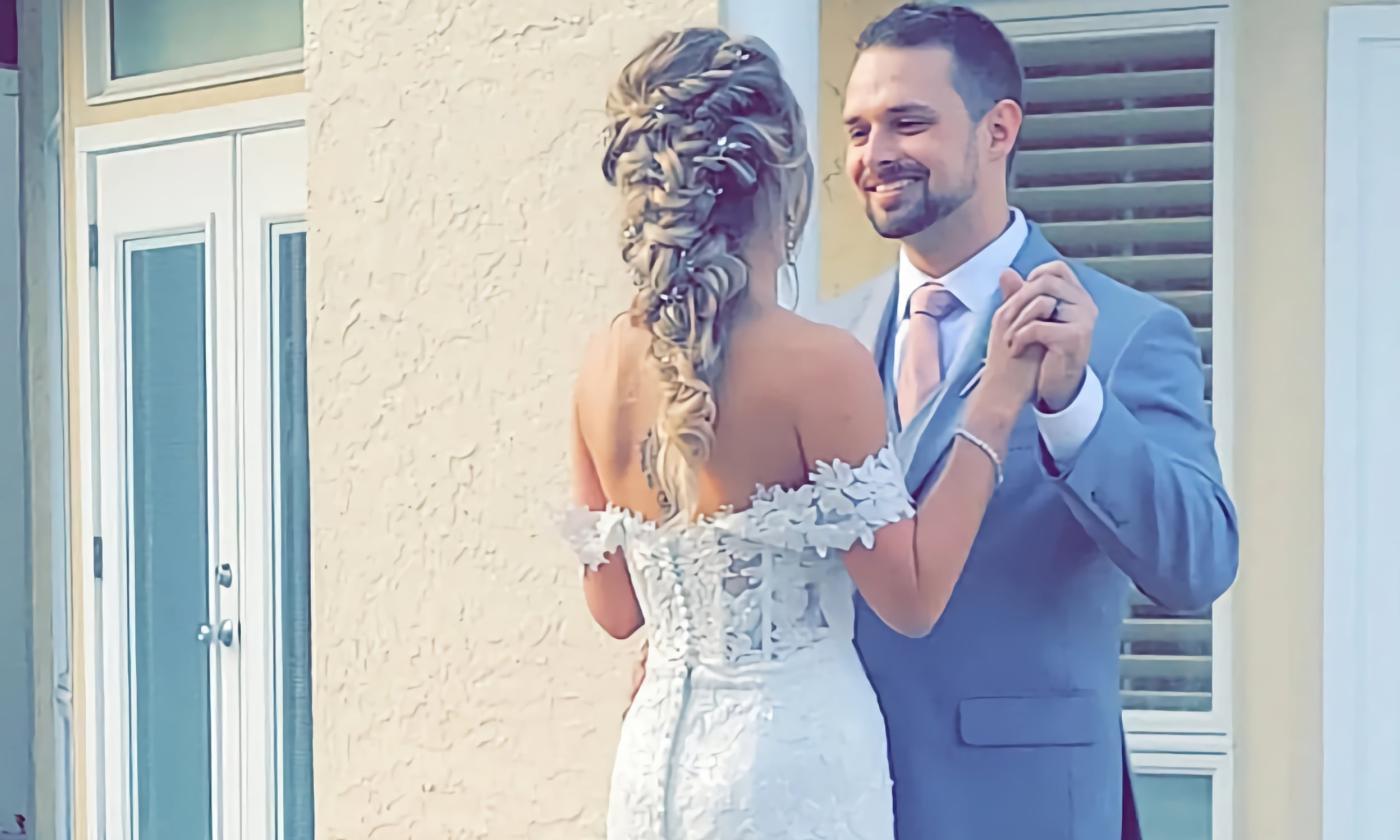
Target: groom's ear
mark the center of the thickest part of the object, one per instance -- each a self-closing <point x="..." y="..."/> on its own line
<point x="1004" y="130"/>
<point x="1010" y="281"/>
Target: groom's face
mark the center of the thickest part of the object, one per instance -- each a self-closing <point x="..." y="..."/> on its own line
<point x="910" y="151"/>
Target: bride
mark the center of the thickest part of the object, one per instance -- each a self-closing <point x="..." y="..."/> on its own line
<point x="755" y="718"/>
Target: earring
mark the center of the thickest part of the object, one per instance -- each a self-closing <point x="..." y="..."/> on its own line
<point x="789" y="269"/>
<point x="788" y="274"/>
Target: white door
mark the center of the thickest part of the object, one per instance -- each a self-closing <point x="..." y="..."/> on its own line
<point x="1361" y="401"/>
<point x="198" y="342"/>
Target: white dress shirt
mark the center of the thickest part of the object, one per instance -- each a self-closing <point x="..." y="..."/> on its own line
<point x="975" y="285"/>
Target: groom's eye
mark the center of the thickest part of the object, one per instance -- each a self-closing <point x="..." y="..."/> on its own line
<point x="912" y="126"/>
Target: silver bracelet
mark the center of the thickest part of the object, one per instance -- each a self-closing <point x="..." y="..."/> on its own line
<point x="987" y="449"/>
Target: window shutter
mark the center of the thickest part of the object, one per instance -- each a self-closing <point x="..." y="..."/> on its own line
<point x="1115" y="163"/>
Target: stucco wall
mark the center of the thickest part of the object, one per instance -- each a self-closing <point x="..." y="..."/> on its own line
<point x="461" y="247"/>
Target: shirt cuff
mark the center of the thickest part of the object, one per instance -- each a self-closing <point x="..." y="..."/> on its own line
<point x="1065" y="431"/>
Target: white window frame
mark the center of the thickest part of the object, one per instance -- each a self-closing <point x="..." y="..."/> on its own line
<point x="91" y="142"/>
<point x="1208" y="727"/>
<point x="103" y="88"/>
<point x="1172" y="742"/>
<point x="1219" y="767"/>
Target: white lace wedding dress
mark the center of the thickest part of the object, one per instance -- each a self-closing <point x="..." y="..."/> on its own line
<point x="755" y="719"/>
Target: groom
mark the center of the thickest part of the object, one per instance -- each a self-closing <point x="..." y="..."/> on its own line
<point x="1005" y="722"/>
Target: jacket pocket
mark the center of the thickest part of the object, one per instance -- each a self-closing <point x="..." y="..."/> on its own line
<point x="1046" y="720"/>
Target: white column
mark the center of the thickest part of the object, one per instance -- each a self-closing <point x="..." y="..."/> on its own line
<point x="46" y="417"/>
<point x="793" y="29"/>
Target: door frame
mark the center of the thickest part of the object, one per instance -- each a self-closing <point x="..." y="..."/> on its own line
<point x="1359" y="621"/>
<point x="90" y="143"/>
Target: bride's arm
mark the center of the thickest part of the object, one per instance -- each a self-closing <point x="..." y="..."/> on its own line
<point x="608" y="589"/>
<point x="908" y="574"/>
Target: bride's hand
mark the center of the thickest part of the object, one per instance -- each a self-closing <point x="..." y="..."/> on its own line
<point x="1008" y="381"/>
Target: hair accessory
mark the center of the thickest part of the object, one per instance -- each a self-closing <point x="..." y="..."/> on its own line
<point x="724" y="145"/>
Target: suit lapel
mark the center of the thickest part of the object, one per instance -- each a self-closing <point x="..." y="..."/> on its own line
<point x="926" y="439"/>
<point x="1036" y="251"/>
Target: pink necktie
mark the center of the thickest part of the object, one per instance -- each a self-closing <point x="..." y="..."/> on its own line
<point x="920" y="370"/>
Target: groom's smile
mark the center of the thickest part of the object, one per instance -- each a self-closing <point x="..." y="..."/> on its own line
<point x="892" y="191"/>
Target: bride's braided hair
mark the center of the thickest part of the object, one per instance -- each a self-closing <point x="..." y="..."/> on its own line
<point x="700" y="123"/>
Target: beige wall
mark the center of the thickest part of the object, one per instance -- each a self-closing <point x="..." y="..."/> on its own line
<point x="851" y="252"/>
<point x="462" y="244"/>
<point x="1280" y="71"/>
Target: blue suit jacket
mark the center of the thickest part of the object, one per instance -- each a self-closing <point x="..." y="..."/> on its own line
<point x="1005" y="722"/>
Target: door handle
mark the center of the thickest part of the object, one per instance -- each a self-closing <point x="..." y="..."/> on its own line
<point x="225" y="633"/>
<point x="225" y="576"/>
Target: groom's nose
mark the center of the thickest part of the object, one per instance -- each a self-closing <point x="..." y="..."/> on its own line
<point x="881" y="150"/>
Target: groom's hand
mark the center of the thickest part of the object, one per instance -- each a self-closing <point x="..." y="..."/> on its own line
<point x="1058" y="314"/>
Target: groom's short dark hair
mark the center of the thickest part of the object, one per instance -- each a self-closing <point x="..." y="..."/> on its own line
<point x="985" y="67"/>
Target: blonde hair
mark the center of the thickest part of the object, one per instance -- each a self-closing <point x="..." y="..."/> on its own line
<point x="702" y="125"/>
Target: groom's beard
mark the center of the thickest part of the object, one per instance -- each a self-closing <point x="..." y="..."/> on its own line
<point x="916" y="213"/>
<point x="926" y="207"/>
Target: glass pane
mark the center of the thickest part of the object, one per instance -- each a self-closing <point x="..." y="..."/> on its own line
<point x="295" y="538"/>
<point x="169" y="553"/>
<point x="153" y="35"/>
<point x="1173" y="807"/>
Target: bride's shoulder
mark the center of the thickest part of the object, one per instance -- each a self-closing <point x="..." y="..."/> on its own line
<point x="794" y="343"/>
<point x="618" y="338"/>
<point x="838" y="396"/>
<point x="831" y="348"/>
<point x="815" y="362"/>
<point x="605" y="352"/>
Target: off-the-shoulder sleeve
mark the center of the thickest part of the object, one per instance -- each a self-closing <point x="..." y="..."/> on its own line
<point x="838" y="507"/>
<point x="593" y="534"/>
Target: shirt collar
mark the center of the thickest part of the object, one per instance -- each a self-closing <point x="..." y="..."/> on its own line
<point x="974" y="283"/>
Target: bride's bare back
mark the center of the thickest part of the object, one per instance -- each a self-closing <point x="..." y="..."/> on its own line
<point x="769" y="356"/>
